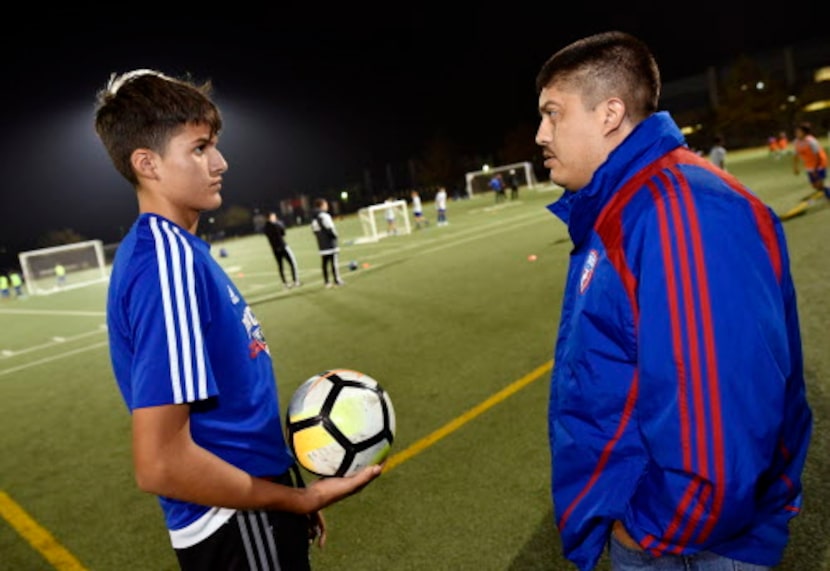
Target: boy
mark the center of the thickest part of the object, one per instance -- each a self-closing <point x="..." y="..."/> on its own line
<point x="188" y="354"/>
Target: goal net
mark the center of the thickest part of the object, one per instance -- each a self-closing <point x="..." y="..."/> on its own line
<point x="49" y="270"/>
<point x="375" y="220"/>
<point x="479" y="181"/>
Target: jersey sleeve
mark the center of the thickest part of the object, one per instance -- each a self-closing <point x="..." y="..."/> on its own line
<point x="166" y="313"/>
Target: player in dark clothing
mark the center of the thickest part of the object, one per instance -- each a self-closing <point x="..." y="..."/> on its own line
<point x="322" y="225"/>
<point x="274" y="229"/>
<point x="513" y="181"/>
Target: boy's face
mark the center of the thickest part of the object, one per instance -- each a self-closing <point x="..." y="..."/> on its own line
<point x="190" y="171"/>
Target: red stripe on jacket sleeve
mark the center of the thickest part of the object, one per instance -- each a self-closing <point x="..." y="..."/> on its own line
<point x="711" y="359"/>
<point x="680" y="304"/>
<point x="762" y="215"/>
<point x="628" y="409"/>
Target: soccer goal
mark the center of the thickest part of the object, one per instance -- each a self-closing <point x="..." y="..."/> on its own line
<point x="478" y="181"/>
<point x="49" y="270"/>
<point x="374" y="220"/>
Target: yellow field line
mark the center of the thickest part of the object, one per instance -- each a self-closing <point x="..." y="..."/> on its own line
<point x="43" y="541"/>
<point x="62" y="560"/>
<point x="802" y="206"/>
<point x="460" y="421"/>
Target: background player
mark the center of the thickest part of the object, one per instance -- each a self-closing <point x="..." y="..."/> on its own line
<point x="274" y="230"/>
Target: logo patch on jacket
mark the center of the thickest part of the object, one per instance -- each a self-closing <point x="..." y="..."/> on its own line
<point x="588" y="270"/>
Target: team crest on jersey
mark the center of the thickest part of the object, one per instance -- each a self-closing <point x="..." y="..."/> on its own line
<point x="257" y="343"/>
<point x="588" y="270"/>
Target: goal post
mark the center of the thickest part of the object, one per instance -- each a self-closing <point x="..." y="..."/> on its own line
<point x="373" y="220"/>
<point x="48" y="270"/>
<point x="478" y="181"/>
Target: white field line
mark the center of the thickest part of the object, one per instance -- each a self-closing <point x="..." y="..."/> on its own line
<point x="11" y="370"/>
<point x="54" y="312"/>
<point x="7" y="353"/>
<point x="469" y="235"/>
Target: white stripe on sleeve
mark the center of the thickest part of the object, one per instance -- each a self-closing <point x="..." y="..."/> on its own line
<point x="184" y="324"/>
<point x="161" y="259"/>
<point x="195" y="319"/>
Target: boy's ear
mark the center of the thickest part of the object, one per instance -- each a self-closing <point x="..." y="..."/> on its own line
<point x="144" y="163"/>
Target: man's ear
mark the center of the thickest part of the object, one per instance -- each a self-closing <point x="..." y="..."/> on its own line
<point x="144" y="163"/>
<point x="614" y="115"/>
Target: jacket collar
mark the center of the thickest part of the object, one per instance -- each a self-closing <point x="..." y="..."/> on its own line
<point x="651" y="139"/>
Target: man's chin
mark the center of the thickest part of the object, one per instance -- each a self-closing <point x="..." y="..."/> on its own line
<point x="559" y="182"/>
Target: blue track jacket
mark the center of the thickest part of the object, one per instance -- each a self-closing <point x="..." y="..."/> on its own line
<point x="677" y="400"/>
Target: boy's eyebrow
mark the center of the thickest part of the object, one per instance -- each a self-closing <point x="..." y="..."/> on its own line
<point x="547" y="104"/>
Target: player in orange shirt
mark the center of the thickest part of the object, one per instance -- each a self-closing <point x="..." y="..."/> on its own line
<point x="811" y="154"/>
<point x="783" y="143"/>
<point x="772" y="144"/>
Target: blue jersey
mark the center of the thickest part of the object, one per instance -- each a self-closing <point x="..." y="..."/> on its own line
<point x="677" y="400"/>
<point x="180" y="332"/>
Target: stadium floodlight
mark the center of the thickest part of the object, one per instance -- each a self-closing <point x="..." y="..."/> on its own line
<point x="83" y="263"/>
<point x="478" y="181"/>
<point x="374" y="217"/>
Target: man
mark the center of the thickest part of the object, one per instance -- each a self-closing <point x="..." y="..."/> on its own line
<point x="441" y="206"/>
<point x="60" y="273"/>
<point x="513" y="181"/>
<point x="16" y="281"/>
<point x="497" y="184"/>
<point x="717" y="154"/>
<point x="189" y="356"/>
<point x="274" y="230"/>
<point x="5" y="288"/>
<point x="391" y="227"/>
<point x="678" y="419"/>
<point x="418" y="210"/>
<point x="322" y="224"/>
<point x="810" y="154"/>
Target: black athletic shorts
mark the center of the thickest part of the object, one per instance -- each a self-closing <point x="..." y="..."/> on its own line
<point x="254" y="540"/>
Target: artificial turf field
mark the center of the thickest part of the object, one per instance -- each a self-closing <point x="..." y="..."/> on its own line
<point x="455" y="322"/>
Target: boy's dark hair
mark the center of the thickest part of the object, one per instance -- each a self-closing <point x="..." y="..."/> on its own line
<point x="806" y="126"/>
<point x="605" y="65"/>
<point x="145" y="109"/>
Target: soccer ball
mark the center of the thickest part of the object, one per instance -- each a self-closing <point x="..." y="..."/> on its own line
<point x="338" y="422"/>
<point x="353" y="265"/>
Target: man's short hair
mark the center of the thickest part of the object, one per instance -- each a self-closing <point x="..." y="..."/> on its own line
<point x="609" y="64"/>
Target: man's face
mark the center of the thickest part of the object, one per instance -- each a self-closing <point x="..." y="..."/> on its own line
<point x="571" y="137"/>
<point x="191" y="170"/>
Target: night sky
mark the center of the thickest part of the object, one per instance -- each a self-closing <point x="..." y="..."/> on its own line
<point x="310" y="99"/>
